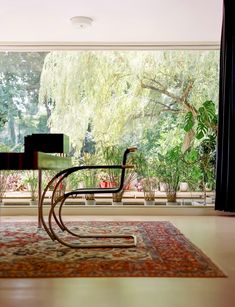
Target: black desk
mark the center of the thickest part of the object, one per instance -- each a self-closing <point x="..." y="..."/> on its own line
<point x="32" y="159"/>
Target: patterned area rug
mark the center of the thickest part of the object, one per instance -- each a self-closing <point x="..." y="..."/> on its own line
<point x="162" y="251"/>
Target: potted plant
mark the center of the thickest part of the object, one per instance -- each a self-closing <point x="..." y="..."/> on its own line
<point x="190" y="172"/>
<point x="103" y="180"/>
<point x="146" y="171"/>
<point x="3" y="185"/>
<point x="199" y="166"/>
<point x="149" y="186"/>
<point x="88" y="178"/>
<point x="31" y="180"/>
<point x="204" y="127"/>
<point x="183" y="186"/>
<point x="207" y="158"/>
<point x="3" y="176"/>
<point x="168" y="169"/>
<point x="113" y="156"/>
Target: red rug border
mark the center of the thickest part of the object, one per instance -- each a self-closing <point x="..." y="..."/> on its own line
<point x="199" y="250"/>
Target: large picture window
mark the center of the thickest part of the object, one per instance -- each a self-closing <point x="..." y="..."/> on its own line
<point x="163" y="101"/>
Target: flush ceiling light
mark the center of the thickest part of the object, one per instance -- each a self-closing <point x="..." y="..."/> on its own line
<point x="81" y="21"/>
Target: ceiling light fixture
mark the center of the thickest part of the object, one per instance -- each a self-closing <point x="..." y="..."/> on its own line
<point x="81" y="22"/>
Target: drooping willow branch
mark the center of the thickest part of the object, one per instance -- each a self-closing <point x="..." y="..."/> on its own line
<point x="182" y="100"/>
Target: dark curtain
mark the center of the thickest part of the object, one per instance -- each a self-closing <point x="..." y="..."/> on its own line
<point x="225" y="171"/>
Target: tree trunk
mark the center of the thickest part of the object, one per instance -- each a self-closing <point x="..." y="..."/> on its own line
<point x="11" y="129"/>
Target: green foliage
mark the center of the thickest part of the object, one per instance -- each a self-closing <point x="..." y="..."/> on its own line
<point x="202" y="170"/>
<point x="144" y="164"/>
<point x="92" y="86"/>
<point x="180" y="76"/>
<point x="19" y="87"/>
<point x="112" y="97"/>
<point x="3" y="183"/>
<point x="31" y="179"/>
<point x="207" y="159"/>
<point x="169" y="168"/>
<point x="90" y="178"/>
<point x="199" y="164"/>
<point x="86" y="178"/>
<point x="4" y="148"/>
<point x="123" y="94"/>
<point x="207" y="119"/>
<point x="112" y="155"/>
<point x="145" y="168"/>
<point x="191" y="171"/>
<point x="189" y="121"/>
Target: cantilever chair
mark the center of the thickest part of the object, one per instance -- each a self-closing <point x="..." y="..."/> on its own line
<point x="55" y="216"/>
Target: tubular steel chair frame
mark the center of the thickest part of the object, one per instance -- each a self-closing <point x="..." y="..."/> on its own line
<point x="60" y="201"/>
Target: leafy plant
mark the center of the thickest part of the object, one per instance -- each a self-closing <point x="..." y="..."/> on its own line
<point x="145" y="168"/>
<point x="191" y="170"/>
<point x="169" y="170"/>
<point x="188" y="121"/>
<point x="205" y="121"/>
<point x="3" y="183"/>
<point x="31" y="180"/>
<point x="113" y="156"/>
<point x="207" y="158"/>
<point x="88" y="178"/>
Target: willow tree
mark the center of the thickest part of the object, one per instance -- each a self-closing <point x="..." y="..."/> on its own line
<point x="89" y="88"/>
<point x="180" y="84"/>
<point x="120" y="93"/>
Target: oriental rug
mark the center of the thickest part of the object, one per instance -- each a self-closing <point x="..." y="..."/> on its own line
<point x="161" y="251"/>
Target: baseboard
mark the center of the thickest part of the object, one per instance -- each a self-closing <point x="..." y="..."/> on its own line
<point x="113" y="210"/>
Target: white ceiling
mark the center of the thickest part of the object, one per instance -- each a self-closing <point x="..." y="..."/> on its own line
<point x="117" y="21"/>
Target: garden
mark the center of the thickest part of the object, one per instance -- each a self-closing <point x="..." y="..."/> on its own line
<point x="163" y="102"/>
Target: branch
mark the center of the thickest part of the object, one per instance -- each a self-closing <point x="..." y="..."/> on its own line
<point x="171" y="110"/>
<point x="162" y="90"/>
<point x="162" y="104"/>
<point x="151" y="114"/>
<point x="167" y="106"/>
<point x="184" y="99"/>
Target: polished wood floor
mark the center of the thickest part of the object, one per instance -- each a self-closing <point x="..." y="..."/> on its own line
<point x="215" y="235"/>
